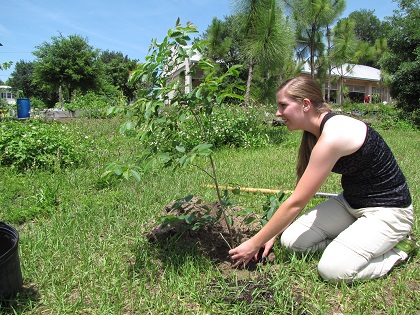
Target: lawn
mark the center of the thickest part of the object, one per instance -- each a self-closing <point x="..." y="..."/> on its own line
<point x="86" y="251"/>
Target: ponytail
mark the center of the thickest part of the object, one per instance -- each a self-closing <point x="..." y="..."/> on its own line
<point x="306" y="145"/>
<point x="298" y="89"/>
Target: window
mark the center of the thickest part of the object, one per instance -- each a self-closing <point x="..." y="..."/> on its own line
<point x="6" y="95"/>
<point x="356" y="88"/>
<point x="376" y="90"/>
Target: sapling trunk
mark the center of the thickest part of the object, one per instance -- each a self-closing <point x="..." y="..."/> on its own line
<point x="158" y="80"/>
<point x="213" y="167"/>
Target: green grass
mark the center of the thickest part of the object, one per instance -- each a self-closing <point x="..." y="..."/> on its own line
<point x="85" y="250"/>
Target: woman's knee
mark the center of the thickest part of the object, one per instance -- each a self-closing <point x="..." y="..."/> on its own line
<point x="293" y="241"/>
<point x="299" y="238"/>
<point x="339" y="263"/>
<point x="335" y="273"/>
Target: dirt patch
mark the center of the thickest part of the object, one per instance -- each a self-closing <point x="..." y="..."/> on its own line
<point x="240" y="285"/>
<point x="213" y="240"/>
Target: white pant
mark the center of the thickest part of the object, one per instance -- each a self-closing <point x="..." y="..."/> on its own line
<point x="358" y="244"/>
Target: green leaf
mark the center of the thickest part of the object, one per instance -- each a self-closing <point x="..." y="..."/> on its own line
<point x="207" y="217"/>
<point x="126" y="174"/>
<point x="105" y="174"/>
<point x="180" y="149"/>
<point x="182" y="117"/>
<point x="230" y="220"/>
<point x="270" y="213"/>
<point x="164" y="156"/>
<point x="233" y="95"/>
<point x="209" y="110"/>
<point x="205" y="64"/>
<point x="236" y="191"/>
<point x="196" y="226"/>
<point x="135" y="174"/>
<point x="118" y="171"/>
<point x="172" y="33"/>
<point x="127" y="127"/>
<point x="181" y="41"/>
<point x="183" y="160"/>
<point x="198" y="93"/>
<point x="203" y="149"/>
<point x="249" y="220"/>
<point x="243" y="212"/>
<point x="226" y="193"/>
<point x="189" y="218"/>
<point x="111" y="110"/>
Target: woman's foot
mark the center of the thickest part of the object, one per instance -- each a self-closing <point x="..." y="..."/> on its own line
<point x="408" y="245"/>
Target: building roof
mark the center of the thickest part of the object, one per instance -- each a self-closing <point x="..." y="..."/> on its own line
<point x="195" y="56"/>
<point x="351" y="71"/>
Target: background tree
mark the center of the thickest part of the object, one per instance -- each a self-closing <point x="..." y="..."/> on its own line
<point x="402" y="60"/>
<point x="343" y="50"/>
<point x="312" y="17"/>
<point x="220" y="41"/>
<point x="224" y="41"/>
<point x="370" y="33"/>
<point x="368" y="27"/>
<point x="21" y="78"/>
<point x="268" y="38"/>
<point x="66" y="64"/>
<point x="5" y="65"/>
<point x="116" y="70"/>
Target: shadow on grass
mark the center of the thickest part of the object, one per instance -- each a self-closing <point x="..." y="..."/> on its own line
<point x="174" y="249"/>
<point x="25" y="300"/>
<point x="171" y="245"/>
<point x="246" y="289"/>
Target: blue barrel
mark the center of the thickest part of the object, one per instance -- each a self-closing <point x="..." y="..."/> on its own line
<point x="23" y="107"/>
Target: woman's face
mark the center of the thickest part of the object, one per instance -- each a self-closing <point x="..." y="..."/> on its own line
<point x="290" y="111"/>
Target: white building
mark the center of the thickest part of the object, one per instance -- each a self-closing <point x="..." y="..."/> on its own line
<point x="182" y="73"/>
<point x="358" y="80"/>
<point x="6" y="94"/>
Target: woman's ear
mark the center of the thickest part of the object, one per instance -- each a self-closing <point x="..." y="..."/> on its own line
<point x="306" y="104"/>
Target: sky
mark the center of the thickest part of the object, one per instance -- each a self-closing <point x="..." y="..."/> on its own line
<point x="122" y="26"/>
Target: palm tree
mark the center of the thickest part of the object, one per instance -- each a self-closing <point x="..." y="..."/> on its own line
<point x="268" y="39"/>
<point x="344" y="48"/>
<point x="219" y="40"/>
<point x="312" y="17"/>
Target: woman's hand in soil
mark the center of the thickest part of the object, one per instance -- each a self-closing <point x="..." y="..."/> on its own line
<point x="266" y="249"/>
<point x="243" y="254"/>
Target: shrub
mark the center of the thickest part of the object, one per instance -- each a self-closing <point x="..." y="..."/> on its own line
<point x="37" y="144"/>
<point x="381" y="116"/>
<point x="235" y="126"/>
<point x="37" y="103"/>
<point x="95" y="105"/>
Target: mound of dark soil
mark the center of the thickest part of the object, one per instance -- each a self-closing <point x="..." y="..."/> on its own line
<point x="212" y="240"/>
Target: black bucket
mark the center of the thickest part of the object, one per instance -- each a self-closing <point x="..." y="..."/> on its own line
<point x="10" y="273"/>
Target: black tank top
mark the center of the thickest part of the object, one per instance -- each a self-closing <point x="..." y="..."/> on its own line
<point x="371" y="176"/>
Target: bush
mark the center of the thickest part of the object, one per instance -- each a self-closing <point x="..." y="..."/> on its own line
<point x="380" y="116"/>
<point x="94" y="105"/>
<point x="37" y="103"/>
<point x="235" y="126"/>
<point x="37" y="144"/>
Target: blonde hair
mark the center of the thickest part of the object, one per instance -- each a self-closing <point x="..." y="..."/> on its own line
<point x="297" y="89"/>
